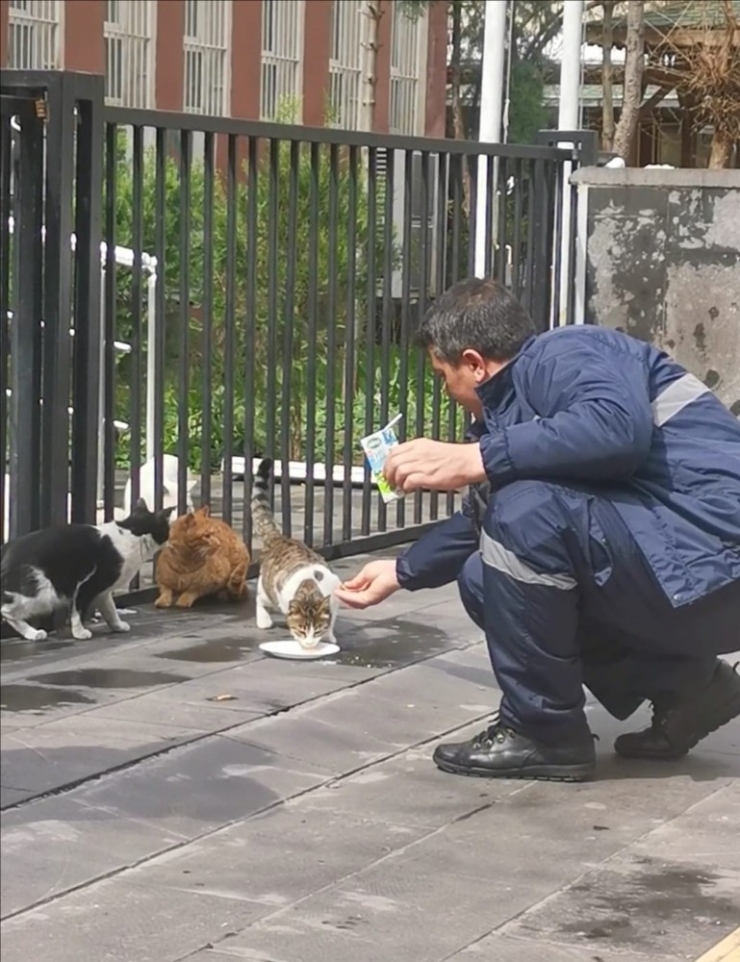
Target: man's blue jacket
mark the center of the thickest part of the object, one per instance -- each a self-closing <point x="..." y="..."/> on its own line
<point x="605" y="412"/>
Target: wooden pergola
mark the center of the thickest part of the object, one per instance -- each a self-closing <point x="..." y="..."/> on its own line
<point x="674" y="31"/>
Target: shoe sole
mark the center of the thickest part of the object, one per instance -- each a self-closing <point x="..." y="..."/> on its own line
<point x="730" y="711"/>
<point x="538" y="773"/>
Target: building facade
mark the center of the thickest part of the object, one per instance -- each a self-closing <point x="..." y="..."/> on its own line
<point x="355" y="64"/>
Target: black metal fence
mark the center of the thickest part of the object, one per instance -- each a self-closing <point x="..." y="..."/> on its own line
<point x="255" y="293"/>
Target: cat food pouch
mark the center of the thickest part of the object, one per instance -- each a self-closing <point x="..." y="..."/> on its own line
<point x="377" y="447"/>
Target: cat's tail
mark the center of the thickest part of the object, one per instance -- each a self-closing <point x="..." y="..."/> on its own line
<point x="264" y="521"/>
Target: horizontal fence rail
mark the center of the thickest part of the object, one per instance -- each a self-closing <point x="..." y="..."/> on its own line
<point x="259" y="287"/>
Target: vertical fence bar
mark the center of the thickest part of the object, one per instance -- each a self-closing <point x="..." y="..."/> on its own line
<point x="86" y="359"/>
<point x="6" y="242"/>
<point x="57" y="349"/>
<point x="349" y="346"/>
<point x="160" y="246"/>
<point x="287" y="367"/>
<point x="440" y="244"/>
<point x="387" y="325"/>
<point x="207" y="323"/>
<point x="311" y="339"/>
<point x="572" y="252"/>
<point x="273" y="270"/>
<point x="456" y="272"/>
<point x="502" y="233"/>
<point x="404" y="339"/>
<point x="557" y="188"/>
<point x="370" y="325"/>
<point x="516" y="242"/>
<point x="419" y="496"/>
<point x="250" y="335"/>
<point x="109" y="321"/>
<point x="137" y="291"/>
<point x="529" y="264"/>
<point x="331" y="345"/>
<point x="227" y="509"/>
<point x="541" y="279"/>
<point x="26" y="332"/>
<point x="183" y="339"/>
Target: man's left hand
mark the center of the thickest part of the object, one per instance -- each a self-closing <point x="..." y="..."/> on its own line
<point x="434" y="465"/>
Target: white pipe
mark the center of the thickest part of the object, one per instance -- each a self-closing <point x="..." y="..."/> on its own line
<point x="570" y="90"/>
<point x="491" y="116"/>
<point x="151" y="362"/>
<point x="101" y="397"/>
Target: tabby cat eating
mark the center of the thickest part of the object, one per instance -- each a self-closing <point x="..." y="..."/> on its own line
<point x="293" y="579"/>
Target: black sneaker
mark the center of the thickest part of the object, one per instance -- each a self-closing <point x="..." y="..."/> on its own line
<point x="501" y="752"/>
<point x="680" y="723"/>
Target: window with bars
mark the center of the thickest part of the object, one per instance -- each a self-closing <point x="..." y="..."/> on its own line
<point x="35" y="35"/>
<point x="282" y="57"/>
<point x="129" y="52"/>
<point x="207" y="45"/>
<point x="349" y="38"/>
<point x="408" y="62"/>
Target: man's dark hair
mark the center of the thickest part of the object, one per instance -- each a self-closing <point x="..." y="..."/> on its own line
<point x="479" y="315"/>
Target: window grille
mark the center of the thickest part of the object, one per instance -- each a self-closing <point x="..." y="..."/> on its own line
<point x="35" y="35"/>
<point x="207" y="44"/>
<point x="282" y="57"/>
<point x="408" y="42"/>
<point x="349" y="38"/>
<point x="129" y="52"/>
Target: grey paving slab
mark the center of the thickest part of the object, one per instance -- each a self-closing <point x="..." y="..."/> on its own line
<point x="707" y="833"/>
<point x="55" y="844"/>
<point x="47" y="758"/>
<point x="311" y="737"/>
<point x="279" y="857"/>
<point x="409" y="791"/>
<point x="388" y="911"/>
<point x="171" y="710"/>
<point x="315" y="825"/>
<point x="11" y="796"/>
<point x="648" y="907"/>
<point x="266" y="685"/>
<point x="370" y="720"/>
<point x="500" y="948"/>
<point x="652" y="898"/>
<point x="201" y="786"/>
<point x="120" y="922"/>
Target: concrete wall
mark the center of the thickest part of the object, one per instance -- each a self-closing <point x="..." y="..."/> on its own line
<point x="663" y="264"/>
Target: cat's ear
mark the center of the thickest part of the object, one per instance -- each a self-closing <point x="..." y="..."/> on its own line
<point x="141" y="505"/>
<point x="326" y="604"/>
<point x="204" y="511"/>
<point x="166" y="512"/>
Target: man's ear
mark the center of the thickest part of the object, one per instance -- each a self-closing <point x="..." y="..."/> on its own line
<point x="476" y="363"/>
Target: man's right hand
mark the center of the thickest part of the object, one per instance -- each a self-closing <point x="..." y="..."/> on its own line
<point x="376" y="582"/>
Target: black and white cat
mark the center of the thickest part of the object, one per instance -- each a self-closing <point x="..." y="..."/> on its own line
<point x="76" y="565"/>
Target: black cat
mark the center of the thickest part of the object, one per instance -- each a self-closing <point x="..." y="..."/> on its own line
<point x="76" y="565"/>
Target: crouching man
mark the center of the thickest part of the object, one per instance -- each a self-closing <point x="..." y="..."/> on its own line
<point x="600" y="542"/>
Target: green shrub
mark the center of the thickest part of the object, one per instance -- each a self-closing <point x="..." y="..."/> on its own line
<point x="273" y="306"/>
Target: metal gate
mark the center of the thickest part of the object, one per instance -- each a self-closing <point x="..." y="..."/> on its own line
<point x="261" y="284"/>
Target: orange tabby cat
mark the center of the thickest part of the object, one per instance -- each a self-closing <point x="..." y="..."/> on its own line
<point x="202" y="557"/>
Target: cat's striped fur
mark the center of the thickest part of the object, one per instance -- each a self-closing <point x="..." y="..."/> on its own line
<point x="293" y="579"/>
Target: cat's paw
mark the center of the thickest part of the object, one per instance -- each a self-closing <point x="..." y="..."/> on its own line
<point x="39" y="635"/>
<point x="122" y="626"/>
<point x="263" y="620"/>
<point x="82" y="634"/>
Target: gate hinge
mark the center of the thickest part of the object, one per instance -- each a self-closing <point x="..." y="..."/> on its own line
<point x="42" y="108"/>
